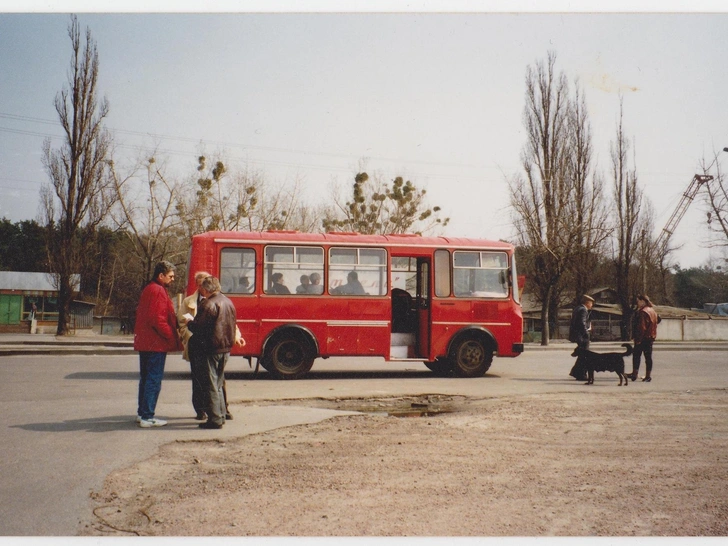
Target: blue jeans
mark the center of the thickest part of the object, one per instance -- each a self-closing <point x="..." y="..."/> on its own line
<point x="151" y="370"/>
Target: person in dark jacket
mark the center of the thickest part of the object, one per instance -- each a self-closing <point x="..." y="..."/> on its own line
<point x="213" y="335"/>
<point x="155" y="334"/>
<point x="277" y="286"/>
<point x="352" y="287"/>
<point x="645" y="332"/>
<point x="579" y="329"/>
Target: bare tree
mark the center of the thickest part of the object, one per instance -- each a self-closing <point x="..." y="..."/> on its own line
<point x="80" y="191"/>
<point x="543" y="201"/>
<point x="375" y="207"/>
<point x="628" y="202"/>
<point x="219" y="202"/>
<point x="146" y="213"/>
<point x="590" y="213"/>
<point x="716" y="200"/>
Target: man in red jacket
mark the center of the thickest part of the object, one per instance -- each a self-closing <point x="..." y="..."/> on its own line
<point x="155" y="334"/>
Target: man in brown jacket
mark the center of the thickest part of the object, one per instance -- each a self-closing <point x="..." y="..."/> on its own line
<point x="213" y="330"/>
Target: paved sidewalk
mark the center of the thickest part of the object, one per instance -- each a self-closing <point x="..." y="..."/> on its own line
<point x="49" y="344"/>
<point x="90" y="344"/>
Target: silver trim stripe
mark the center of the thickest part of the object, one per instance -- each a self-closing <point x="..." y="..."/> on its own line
<point x="471" y="323"/>
<point x="364" y="323"/>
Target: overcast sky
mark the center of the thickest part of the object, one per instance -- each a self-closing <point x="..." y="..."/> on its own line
<point x="436" y="98"/>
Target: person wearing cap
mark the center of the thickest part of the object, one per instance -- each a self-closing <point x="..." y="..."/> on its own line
<point x="579" y="329"/>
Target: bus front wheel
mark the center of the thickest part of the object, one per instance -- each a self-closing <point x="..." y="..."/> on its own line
<point x="289" y="356"/>
<point x="471" y="357"/>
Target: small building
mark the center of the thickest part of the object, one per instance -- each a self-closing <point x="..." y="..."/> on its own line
<point x="29" y="302"/>
<point x="676" y="324"/>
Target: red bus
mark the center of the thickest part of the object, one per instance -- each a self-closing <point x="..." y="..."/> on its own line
<point x="450" y="303"/>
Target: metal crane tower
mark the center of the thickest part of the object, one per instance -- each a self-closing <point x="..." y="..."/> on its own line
<point x="687" y="198"/>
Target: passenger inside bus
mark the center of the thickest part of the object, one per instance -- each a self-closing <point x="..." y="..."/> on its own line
<point x="278" y="287"/>
<point x="352" y="287"/>
<point x="315" y="287"/>
<point x="244" y="285"/>
<point x="305" y="286"/>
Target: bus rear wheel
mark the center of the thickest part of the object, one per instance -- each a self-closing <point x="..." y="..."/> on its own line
<point x="289" y="356"/>
<point x="471" y="357"/>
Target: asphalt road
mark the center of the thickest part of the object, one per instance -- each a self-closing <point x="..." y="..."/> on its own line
<point x="69" y="419"/>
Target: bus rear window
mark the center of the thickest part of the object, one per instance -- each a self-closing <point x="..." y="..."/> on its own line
<point x="480" y="274"/>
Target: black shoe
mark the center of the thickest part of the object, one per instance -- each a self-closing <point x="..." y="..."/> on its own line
<point x="228" y="416"/>
<point x="646" y="379"/>
<point x="201" y="416"/>
<point x="210" y="425"/>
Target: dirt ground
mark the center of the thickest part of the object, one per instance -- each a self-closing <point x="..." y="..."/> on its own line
<point x="544" y="465"/>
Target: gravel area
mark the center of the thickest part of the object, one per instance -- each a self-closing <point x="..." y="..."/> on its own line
<point x="568" y="464"/>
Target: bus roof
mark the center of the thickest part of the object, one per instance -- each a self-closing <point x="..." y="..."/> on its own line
<point x="392" y="240"/>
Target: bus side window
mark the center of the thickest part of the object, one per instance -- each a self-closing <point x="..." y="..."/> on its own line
<point x="357" y="271"/>
<point x="293" y="270"/>
<point x="237" y="270"/>
<point x="480" y="274"/>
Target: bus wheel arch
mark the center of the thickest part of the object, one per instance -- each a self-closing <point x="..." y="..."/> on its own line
<point x="471" y="351"/>
<point x="289" y="352"/>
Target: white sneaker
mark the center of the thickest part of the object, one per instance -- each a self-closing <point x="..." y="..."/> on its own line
<point x="139" y="419"/>
<point x="148" y="423"/>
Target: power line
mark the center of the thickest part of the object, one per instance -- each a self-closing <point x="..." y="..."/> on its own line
<point x="16" y="117"/>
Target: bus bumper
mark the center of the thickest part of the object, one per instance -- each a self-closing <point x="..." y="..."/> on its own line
<point x="517" y="348"/>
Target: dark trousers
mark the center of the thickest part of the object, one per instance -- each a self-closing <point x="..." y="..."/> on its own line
<point x="643" y="347"/>
<point x="151" y="371"/>
<point x="198" y="368"/>
<point x="578" y="371"/>
<point x="209" y="371"/>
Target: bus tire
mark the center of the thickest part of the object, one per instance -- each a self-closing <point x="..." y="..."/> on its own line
<point x="288" y="355"/>
<point x="471" y="356"/>
<point x="442" y="367"/>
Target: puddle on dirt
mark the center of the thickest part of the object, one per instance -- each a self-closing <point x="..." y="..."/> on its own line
<point x="419" y="413"/>
<point x="428" y="405"/>
<point x="405" y="411"/>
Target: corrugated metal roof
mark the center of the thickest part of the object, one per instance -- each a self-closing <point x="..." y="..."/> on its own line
<point x="31" y="281"/>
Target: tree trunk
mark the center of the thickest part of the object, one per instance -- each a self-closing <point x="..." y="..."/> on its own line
<point x="65" y="294"/>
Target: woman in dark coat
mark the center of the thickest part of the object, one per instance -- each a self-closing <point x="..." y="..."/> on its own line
<point x="579" y="329"/>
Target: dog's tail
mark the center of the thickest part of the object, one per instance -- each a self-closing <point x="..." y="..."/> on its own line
<point x="628" y="347"/>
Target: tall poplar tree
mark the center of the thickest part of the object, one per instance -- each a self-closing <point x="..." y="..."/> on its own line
<point x="79" y="193"/>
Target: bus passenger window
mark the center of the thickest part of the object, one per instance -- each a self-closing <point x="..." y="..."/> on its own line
<point x="358" y="271"/>
<point x="293" y="270"/>
<point x="237" y="270"/>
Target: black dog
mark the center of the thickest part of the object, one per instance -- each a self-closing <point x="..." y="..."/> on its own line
<point x="603" y="362"/>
